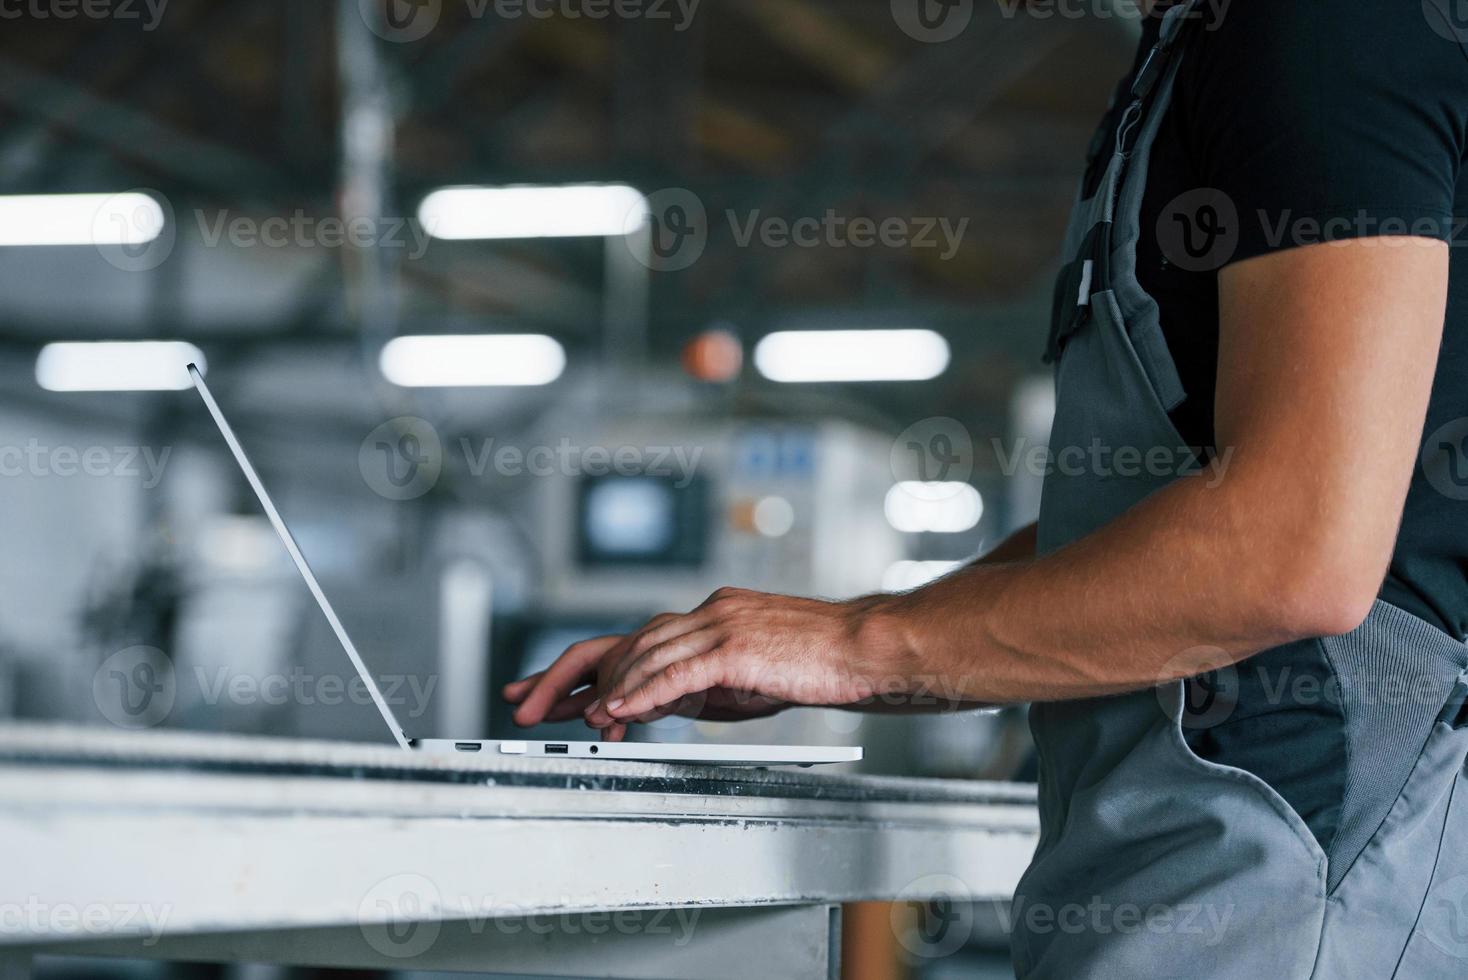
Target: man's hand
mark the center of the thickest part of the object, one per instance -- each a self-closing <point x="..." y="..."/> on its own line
<point x="744" y="649"/>
<point x="585" y="672"/>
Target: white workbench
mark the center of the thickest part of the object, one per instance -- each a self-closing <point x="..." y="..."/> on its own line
<point x="216" y="848"/>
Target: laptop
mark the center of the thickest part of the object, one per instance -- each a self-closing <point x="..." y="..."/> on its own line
<point x="722" y="755"/>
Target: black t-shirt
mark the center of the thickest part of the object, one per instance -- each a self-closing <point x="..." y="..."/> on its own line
<point x="1301" y="121"/>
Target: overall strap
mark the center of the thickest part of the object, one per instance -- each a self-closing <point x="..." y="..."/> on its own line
<point x="1089" y="270"/>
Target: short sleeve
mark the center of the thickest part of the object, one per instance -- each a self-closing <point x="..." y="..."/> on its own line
<point x="1322" y="120"/>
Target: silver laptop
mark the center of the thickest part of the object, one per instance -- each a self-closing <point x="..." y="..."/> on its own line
<point x="725" y="755"/>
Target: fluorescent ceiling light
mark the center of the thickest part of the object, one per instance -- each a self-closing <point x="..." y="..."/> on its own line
<point x="575" y="211"/>
<point x="904" y="576"/>
<point x="124" y="365"/>
<point x="852" y="355"/>
<point x="472" y="361"/>
<point x="80" y="219"/>
<point x="915" y="506"/>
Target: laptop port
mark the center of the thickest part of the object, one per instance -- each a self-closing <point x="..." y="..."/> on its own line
<point x="557" y="748"/>
<point x="468" y="746"/>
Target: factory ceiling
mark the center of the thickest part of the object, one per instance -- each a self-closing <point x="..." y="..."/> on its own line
<point x="767" y="111"/>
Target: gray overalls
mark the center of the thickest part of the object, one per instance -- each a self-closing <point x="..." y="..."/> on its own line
<point x="1152" y="861"/>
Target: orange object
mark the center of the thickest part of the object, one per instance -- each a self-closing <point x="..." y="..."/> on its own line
<point x="714" y="355"/>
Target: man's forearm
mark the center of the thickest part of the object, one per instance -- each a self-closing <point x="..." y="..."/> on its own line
<point x="1196" y="576"/>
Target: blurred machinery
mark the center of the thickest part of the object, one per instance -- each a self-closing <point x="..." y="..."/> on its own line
<point x="668" y="513"/>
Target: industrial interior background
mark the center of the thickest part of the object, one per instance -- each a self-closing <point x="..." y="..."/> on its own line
<point x="468" y="531"/>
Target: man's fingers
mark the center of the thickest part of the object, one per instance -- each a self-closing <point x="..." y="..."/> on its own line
<point x="678" y="680"/>
<point x="658" y="630"/>
<point x="614" y="733"/>
<point x="515" y="691"/>
<point x="574" y="668"/>
<point x="571" y="707"/>
<point x="654" y="661"/>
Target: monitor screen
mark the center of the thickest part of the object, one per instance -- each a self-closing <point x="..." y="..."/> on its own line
<point x="642" y="520"/>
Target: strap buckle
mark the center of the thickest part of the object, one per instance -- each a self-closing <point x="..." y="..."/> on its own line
<point x="1167" y="36"/>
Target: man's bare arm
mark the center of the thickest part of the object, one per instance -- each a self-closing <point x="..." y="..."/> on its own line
<point x="1326" y="362"/>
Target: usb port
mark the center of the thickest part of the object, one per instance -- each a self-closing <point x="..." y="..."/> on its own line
<point x="557" y="748"/>
<point x="468" y="746"/>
